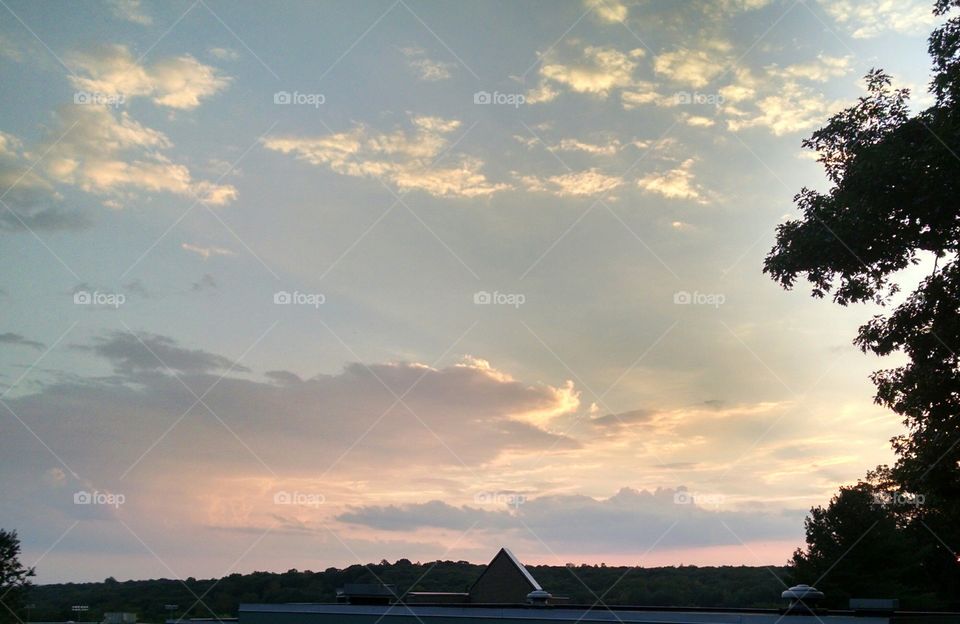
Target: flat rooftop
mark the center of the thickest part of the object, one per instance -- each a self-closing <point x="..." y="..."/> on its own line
<point x="437" y="614"/>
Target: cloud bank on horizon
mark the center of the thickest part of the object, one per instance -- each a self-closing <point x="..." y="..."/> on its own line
<point x="380" y="280"/>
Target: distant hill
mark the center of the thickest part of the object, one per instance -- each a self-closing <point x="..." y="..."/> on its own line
<point x="674" y="586"/>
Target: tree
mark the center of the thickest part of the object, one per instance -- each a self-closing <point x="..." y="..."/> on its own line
<point x="861" y="519"/>
<point x="14" y="577"/>
<point x="895" y="201"/>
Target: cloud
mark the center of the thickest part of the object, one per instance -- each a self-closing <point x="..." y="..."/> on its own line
<point x="631" y="519"/>
<point x="433" y="514"/>
<point x="544" y="92"/>
<point x="820" y="70"/>
<point x="612" y="11"/>
<point x="30" y="201"/>
<point x="782" y="100"/>
<point x="129" y="10"/>
<point x="643" y="93"/>
<point x="39" y="219"/>
<point x="794" y="108"/>
<point x="677" y="183"/>
<point x="573" y="184"/>
<point x="9" y="50"/>
<point x="697" y="121"/>
<point x="11" y="338"/>
<point x="132" y="353"/>
<point x="108" y="153"/>
<point x="870" y="18"/>
<point x="743" y="5"/>
<point x="177" y="82"/>
<point x="206" y="282"/>
<point x="405" y="157"/>
<point x="743" y="87"/>
<point x="426" y="68"/>
<point x="596" y="70"/>
<point x="223" y="54"/>
<point x="457" y="417"/>
<point x="609" y="148"/>
<point x="206" y="252"/>
<point x="695" y="67"/>
<point x="623" y="418"/>
<point x="137" y="287"/>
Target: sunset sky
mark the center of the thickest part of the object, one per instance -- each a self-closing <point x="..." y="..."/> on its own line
<point x="312" y="284"/>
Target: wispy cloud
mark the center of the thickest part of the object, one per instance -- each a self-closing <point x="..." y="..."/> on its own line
<point x="426" y="68"/>
<point x="131" y="11"/>
<point x="574" y="184"/>
<point x="11" y="338"/>
<point x="405" y="157"/>
<point x="676" y="183"/>
<point x="593" y="70"/>
<point x="206" y="251"/>
<point x="611" y="11"/>
<point x="870" y="18"/>
<point x="223" y="54"/>
<point x="694" y="67"/>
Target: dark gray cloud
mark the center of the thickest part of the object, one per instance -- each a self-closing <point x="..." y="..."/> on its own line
<point x="29" y="201"/>
<point x="151" y="352"/>
<point x="22" y="220"/>
<point x="206" y="282"/>
<point x="434" y="514"/>
<point x="624" y="418"/>
<point x="136" y="287"/>
<point x="454" y="416"/>
<point x="574" y="523"/>
<point x="11" y="338"/>
<point x="283" y="377"/>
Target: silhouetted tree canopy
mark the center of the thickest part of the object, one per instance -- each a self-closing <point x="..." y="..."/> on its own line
<point x="14" y="577"/>
<point x="728" y="586"/>
<point x="894" y="201"/>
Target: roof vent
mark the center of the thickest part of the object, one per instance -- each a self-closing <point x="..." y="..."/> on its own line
<point x="539" y="598"/>
<point x="803" y="599"/>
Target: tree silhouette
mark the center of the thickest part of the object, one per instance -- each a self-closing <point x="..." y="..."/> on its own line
<point x="14" y="577"/>
<point x="895" y="201"/>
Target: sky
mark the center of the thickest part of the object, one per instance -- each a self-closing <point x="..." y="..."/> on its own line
<point x="338" y="282"/>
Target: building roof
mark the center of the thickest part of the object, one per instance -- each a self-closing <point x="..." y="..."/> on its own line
<point x="583" y="614"/>
<point x="505" y="553"/>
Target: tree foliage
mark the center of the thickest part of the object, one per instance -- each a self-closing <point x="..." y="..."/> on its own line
<point x="894" y="201"/>
<point x="684" y="585"/>
<point x="14" y="577"/>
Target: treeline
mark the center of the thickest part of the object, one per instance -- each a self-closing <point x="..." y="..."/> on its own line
<point x="670" y="586"/>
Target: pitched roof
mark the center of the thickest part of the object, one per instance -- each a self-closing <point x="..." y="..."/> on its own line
<point x="505" y="552"/>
